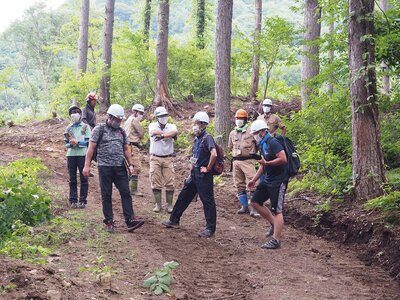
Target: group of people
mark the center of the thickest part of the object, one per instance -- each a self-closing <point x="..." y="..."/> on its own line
<point x="117" y="146"/>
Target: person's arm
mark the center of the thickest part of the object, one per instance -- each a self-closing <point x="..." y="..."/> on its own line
<point x="88" y="158"/>
<point x="128" y="157"/>
<point x="253" y="181"/>
<point x="213" y="158"/>
<point x="84" y="116"/>
<point x="139" y="129"/>
<point x="280" y="159"/>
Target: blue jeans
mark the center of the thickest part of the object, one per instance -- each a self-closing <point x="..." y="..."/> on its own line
<point x="75" y="163"/>
<point x="203" y="184"/>
<point x="118" y="176"/>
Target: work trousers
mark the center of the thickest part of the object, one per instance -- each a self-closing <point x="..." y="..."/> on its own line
<point x="243" y="172"/>
<point x="136" y="160"/>
<point x="75" y="163"/>
<point x="203" y="184"/>
<point x="119" y="176"/>
<point x="162" y="173"/>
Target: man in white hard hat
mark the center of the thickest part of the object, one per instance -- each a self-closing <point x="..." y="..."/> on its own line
<point x="200" y="181"/>
<point x="135" y="133"/>
<point x="273" y="165"/>
<point x="111" y="143"/>
<point x="162" y="172"/>
<point x="273" y="121"/>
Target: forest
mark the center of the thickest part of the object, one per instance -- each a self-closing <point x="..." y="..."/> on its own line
<point x="332" y="69"/>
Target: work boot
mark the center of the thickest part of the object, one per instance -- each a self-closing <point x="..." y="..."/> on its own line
<point x="253" y="212"/>
<point x="169" y="195"/>
<point x="133" y="185"/>
<point x="157" y="198"/>
<point x="243" y="210"/>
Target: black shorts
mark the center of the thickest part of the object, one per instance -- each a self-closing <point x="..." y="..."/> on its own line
<point x="273" y="191"/>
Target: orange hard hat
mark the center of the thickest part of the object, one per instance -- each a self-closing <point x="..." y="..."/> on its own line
<point x="91" y="96"/>
<point x="241" y="113"/>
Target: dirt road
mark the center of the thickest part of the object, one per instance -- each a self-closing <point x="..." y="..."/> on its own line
<point x="230" y="265"/>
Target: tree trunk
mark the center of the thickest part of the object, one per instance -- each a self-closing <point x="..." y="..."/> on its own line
<point x="256" y="57"/>
<point x="310" y="58"/>
<point x="83" y="38"/>
<point x="107" y="55"/>
<point x="222" y="71"/>
<point x="200" y="23"/>
<point x="384" y="66"/>
<point x="368" y="165"/>
<point x="161" y="97"/>
<point x="147" y="19"/>
<point x="331" y="56"/>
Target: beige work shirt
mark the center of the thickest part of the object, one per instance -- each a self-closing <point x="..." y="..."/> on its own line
<point x="133" y="129"/>
<point x="241" y="143"/>
<point x="273" y="122"/>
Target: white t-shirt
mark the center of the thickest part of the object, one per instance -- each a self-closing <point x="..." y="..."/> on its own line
<point x="164" y="146"/>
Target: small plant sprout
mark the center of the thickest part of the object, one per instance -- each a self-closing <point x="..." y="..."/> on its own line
<point x="160" y="282"/>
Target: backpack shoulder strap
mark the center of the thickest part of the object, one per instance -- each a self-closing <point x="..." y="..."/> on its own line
<point x="101" y="133"/>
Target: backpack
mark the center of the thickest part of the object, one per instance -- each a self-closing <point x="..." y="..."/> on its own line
<point x="94" y="157"/>
<point x="218" y="166"/>
<point x="291" y="154"/>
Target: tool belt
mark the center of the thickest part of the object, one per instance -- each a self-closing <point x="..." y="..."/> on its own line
<point x="164" y="156"/>
<point x="241" y="158"/>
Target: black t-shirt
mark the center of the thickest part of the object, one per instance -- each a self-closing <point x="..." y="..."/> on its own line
<point x="202" y="147"/>
<point x="269" y="149"/>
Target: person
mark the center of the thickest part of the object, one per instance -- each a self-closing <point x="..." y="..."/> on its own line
<point x="243" y="147"/>
<point x="88" y="113"/>
<point x="135" y="133"/>
<point x="162" y="172"/>
<point x="112" y="151"/>
<point x="200" y="180"/>
<point x="273" y="121"/>
<point x="273" y="165"/>
<point x="76" y="138"/>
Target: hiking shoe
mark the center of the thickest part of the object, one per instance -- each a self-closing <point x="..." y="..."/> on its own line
<point x="253" y="212"/>
<point x="170" y="208"/>
<point x="157" y="208"/>
<point x="272" y="244"/>
<point x="243" y="210"/>
<point x="74" y="205"/>
<point x="82" y="205"/>
<point x="170" y="224"/>
<point x="205" y="233"/>
<point x="270" y="231"/>
<point x="109" y="226"/>
<point x="134" y="224"/>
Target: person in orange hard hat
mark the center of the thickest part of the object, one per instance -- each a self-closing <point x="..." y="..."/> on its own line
<point x="243" y="147"/>
<point x="88" y="114"/>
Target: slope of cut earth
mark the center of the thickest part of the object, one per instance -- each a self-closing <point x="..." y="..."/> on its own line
<point x="229" y="266"/>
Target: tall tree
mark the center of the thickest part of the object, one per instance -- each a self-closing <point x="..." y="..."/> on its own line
<point x="83" y="38"/>
<point x="331" y="56"/>
<point x="367" y="158"/>
<point x="146" y="25"/>
<point x="256" y="57"/>
<point x="200" y="23"/>
<point x="222" y="71"/>
<point x="310" y="57"/>
<point x="107" y="55"/>
<point x="386" y="79"/>
<point x="161" y="97"/>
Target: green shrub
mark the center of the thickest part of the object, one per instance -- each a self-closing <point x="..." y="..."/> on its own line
<point x="21" y="197"/>
<point x="389" y="205"/>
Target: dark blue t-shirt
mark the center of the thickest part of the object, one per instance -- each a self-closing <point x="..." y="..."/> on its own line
<point x="269" y="148"/>
<point x="202" y="147"/>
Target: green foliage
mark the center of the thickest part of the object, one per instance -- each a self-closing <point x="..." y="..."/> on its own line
<point x="390" y="136"/>
<point x="389" y="205"/>
<point x="160" y="282"/>
<point x="21" y="196"/>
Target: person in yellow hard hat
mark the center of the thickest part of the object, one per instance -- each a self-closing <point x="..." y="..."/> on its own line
<point x="243" y="147"/>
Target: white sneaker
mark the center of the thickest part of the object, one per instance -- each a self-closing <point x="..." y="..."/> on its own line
<point x="157" y="208"/>
<point x="170" y="207"/>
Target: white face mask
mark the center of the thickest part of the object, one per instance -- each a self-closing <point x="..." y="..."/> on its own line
<point x="258" y="137"/>
<point x="266" y="109"/>
<point x="163" y="120"/>
<point x="75" y="118"/>
<point x="239" y="123"/>
<point x="139" y="117"/>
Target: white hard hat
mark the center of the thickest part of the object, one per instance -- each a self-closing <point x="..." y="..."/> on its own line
<point x="160" y="111"/>
<point x="202" y="117"/>
<point x="267" y="102"/>
<point x="257" y="125"/>
<point x="138" y="107"/>
<point x="117" y="111"/>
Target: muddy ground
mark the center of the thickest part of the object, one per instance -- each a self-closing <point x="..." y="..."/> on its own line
<point x="329" y="262"/>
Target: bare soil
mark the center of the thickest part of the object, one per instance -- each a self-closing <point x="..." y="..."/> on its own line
<point x="329" y="262"/>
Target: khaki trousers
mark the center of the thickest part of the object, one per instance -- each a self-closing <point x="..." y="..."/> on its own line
<point x="243" y="172"/>
<point x="136" y="160"/>
<point x="162" y="173"/>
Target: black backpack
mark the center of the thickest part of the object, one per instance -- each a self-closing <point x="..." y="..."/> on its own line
<point x="291" y="154"/>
